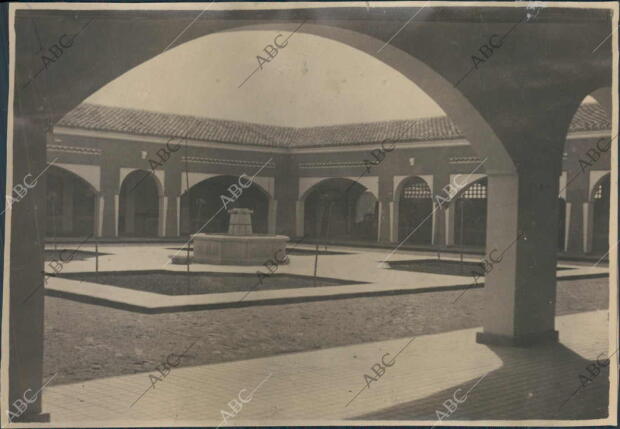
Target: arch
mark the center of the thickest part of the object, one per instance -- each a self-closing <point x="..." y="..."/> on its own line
<point x="205" y="206"/>
<point x="330" y="210"/>
<point x="64" y="96"/>
<point x="71" y="203"/>
<point x="400" y="182"/>
<point x="600" y="216"/>
<point x="157" y="175"/>
<point x="139" y="207"/>
<point x="596" y="179"/>
<point x="91" y="174"/>
<point x="415" y="205"/>
<point x="307" y="184"/>
<point x="453" y="102"/>
<point x="475" y="128"/>
<point x="470" y="209"/>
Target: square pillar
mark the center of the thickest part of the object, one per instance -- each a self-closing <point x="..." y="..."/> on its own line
<point x="449" y="214"/>
<point x="27" y="223"/>
<point x="520" y="289"/>
<point x="272" y="213"/>
<point x="98" y="226"/>
<point x="394" y="206"/>
<point x="567" y="223"/>
<point x="384" y="221"/>
<point x="163" y="211"/>
<point x="173" y="216"/>
<point x="443" y="225"/>
<point x="299" y="218"/>
<point x="110" y="214"/>
<point x="439" y="226"/>
<point x="588" y="226"/>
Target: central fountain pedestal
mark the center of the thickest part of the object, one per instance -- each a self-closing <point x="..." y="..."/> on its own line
<point x="240" y="246"/>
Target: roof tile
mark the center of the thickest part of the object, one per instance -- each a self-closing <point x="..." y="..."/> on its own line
<point x="589" y="117"/>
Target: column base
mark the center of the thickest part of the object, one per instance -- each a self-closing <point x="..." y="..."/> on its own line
<point x="548" y="337"/>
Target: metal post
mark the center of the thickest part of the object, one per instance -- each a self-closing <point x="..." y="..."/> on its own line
<point x="96" y="259"/>
<point x="189" y="215"/>
<point x="53" y="196"/>
<point x="462" y="244"/>
<point x="316" y="261"/>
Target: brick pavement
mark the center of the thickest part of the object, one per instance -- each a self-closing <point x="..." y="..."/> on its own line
<point x="315" y="386"/>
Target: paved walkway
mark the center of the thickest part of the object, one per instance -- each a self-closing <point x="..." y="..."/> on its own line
<point x="356" y="265"/>
<point x="309" y="387"/>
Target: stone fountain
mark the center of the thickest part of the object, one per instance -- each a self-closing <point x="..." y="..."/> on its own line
<point x="240" y="246"/>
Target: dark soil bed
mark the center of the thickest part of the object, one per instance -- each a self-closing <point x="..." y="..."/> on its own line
<point x="180" y="283"/>
<point x="435" y="266"/>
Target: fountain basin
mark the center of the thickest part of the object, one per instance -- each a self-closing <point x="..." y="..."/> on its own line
<point x="227" y="249"/>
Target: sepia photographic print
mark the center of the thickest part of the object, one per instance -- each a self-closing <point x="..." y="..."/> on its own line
<point x="306" y="214"/>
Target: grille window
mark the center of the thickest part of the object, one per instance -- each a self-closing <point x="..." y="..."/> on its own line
<point x="476" y="191"/>
<point x="417" y="190"/>
<point x="598" y="192"/>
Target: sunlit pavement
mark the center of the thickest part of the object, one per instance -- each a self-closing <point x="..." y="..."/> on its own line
<point x="357" y="265"/>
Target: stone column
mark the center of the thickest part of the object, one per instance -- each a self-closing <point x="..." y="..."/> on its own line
<point x="163" y="210"/>
<point x="576" y="194"/>
<point x="567" y="219"/>
<point x="110" y="173"/>
<point x="25" y="280"/>
<point x="67" y="204"/>
<point x="520" y="290"/>
<point x="116" y="214"/>
<point x="99" y="210"/>
<point x="172" y="218"/>
<point x="172" y="187"/>
<point x="384" y="233"/>
<point x="449" y="216"/>
<point x="394" y="208"/>
<point x="443" y="225"/>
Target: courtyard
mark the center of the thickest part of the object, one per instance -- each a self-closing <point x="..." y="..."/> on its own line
<point x="97" y="342"/>
<point x="446" y="253"/>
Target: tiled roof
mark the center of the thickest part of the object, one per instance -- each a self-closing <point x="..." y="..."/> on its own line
<point x="589" y="117"/>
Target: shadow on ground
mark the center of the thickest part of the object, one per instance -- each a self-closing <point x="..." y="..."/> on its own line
<point x="533" y="383"/>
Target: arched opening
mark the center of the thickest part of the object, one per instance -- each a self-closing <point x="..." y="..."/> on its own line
<point x="600" y="231"/>
<point x="204" y="208"/>
<point x="561" y="224"/>
<point x="139" y="205"/>
<point x="340" y="209"/>
<point x="471" y="215"/>
<point x="415" y="205"/>
<point x="70" y="204"/>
